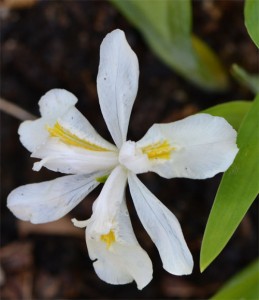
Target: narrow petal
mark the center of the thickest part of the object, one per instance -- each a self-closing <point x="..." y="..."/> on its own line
<point x="123" y="260"/>
<point x="117" y="83"/>
<point x="50" y="200"/>
<point x="107" y="204"/>
<point x="163" y="228"/>
<point x="59" y="157"/>
<point x="197" y="147"/>
<point x="53" y="104"/>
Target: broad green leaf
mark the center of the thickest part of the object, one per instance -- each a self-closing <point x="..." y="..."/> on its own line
<point x="166" y="25"/>
<point x="252" y="19"/>
<point x="244" y="285"/>
<point x="237" y="191"/>
<point x="233" y="112"/>
<point x="251" y="81"/>
<point x="209" y="62"/>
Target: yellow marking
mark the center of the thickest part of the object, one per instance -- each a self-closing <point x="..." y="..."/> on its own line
<point x="108" y="238"/>
<point x="71" y="139"/>
<point x="159" y="150"/>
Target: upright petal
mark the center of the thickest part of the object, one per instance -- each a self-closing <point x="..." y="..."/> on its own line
<point x="53" y="104"/>
<point x="163" y="228"/>
<point x="197" y="147"/>
<point x="118" y="257"/>
<point x="50" y="200"/>
<point x="117" y="83"/>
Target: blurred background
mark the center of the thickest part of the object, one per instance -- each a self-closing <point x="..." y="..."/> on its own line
<point x="55" y="44"/>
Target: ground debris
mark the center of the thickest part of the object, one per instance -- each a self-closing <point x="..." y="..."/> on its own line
<point x="17" y="263"/>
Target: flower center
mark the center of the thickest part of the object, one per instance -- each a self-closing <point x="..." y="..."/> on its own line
<point x="69" y="138"/>
<point x="108" y="238"/>
<point x="141" y="159"/>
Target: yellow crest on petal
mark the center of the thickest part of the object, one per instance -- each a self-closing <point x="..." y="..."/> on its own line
<point x="69" y="138"/>
<point x="108" y="238"/>
<point x="159" y="150"/>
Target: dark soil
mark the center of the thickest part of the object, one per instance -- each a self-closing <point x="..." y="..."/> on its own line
<point x="55" y="44"/>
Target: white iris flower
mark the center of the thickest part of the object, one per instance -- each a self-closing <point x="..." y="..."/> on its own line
<point x="197" y="147"/>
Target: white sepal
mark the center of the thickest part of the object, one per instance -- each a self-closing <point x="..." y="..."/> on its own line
<point x="125" y="260"/>
<point x="163" y="228"/>
<point x="50" y="200"/>
<point x="33" y="134"/>
<point x="74" y="122"/>
<point x="52" y="105"/>
<point x="56" y="102"/>
<point x="204" y="146"/>
<point x="117" y="83"/>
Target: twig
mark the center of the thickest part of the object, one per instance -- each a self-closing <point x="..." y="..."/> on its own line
<point x="15" y="111"/>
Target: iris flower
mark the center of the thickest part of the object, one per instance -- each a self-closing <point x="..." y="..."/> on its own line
<point x="197" y="147"/>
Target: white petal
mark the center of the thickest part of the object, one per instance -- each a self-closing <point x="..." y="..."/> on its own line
<point x="125" y="260"/>
<point x="33" y="134"/>
<point x="117" y="83"/>
<point x="203" y="146"/>
<point x="163" y="228"/>
<point x="74" y="122"/>
<point x="53" y="104"/>
<point x="67" y="159"/>
<point x="133" y="158"/>
<point x="50" y="200"/>
<point x="107" y="204"/>
<point x="74" y="147"/>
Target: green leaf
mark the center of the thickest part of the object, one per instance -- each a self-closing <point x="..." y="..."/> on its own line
<point x="166" y="25"/>
<point x="237" y="191"/>
<point x="233" y="112"/>
<point x="251" y="81"/>
<point x="252" y="19"/>
<point x="209" y="65"/>
<point x="245" y="285"/>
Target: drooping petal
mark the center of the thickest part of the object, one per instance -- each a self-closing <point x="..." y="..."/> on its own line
<point x="117" y="83"/>
<point x="53" y="104"/>
<point x="121" y="260"/>
<point x="60" y="157"/>
<point x="163" y="228"/>
<point x="50" y="200"/>
<point x="197" y="147"/>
